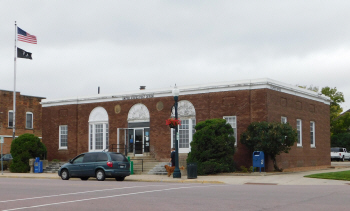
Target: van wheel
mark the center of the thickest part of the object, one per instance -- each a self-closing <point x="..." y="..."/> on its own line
<point x="100" y="175"/>
<point x="120" y="178"/>
<point x="65" y="174"/>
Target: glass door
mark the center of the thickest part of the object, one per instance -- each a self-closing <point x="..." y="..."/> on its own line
<point x="138" y="141"/>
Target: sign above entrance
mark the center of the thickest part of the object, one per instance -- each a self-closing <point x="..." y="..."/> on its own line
<point x="133" y="97"/>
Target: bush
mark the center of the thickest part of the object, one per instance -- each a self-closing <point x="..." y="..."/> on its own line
<point x="23" y="148"/>
<point x="5" y="165"/>
<point x="212" y="148"/>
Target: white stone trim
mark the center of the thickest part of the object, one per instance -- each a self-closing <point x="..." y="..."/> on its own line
<point x="264" y="83"/>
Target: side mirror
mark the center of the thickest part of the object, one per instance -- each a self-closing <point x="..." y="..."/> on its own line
<point x="70" y="161"/>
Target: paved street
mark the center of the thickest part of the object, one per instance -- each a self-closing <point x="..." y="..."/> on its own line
<point x="48" y="194"/>
<point x="287" y="191"/>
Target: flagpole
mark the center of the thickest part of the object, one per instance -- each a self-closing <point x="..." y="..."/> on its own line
<point x="14" y="87"/>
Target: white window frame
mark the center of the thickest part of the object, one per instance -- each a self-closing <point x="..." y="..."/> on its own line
<point x="283" y="120"/>
<point x="62" y="129"/>
<point x="300" y="134"/>
<point x="233" y="125"/>
<point x="191" y="125"/>
<point x="29" y="113"/>
<point x="8" y="115"/>
<point x="92" y="136"/>
<point x="312" y="134"/>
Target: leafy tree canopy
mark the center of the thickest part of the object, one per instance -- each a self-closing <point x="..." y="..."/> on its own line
<point x="212" y="148"/>
<point x="270" y="137"/>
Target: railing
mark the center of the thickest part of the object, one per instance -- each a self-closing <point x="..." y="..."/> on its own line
<point x="141" y="163"/>
<point x="116" y="147"/>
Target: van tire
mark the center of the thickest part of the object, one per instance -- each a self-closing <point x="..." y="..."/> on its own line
<point x="100" y="175"/>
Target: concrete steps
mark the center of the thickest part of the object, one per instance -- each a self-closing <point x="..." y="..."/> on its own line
<point x="150" y="165"/>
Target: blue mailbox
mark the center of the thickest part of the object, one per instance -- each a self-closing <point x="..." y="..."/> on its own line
<point x="258" y="160"/>
<point x="38" y="165"/>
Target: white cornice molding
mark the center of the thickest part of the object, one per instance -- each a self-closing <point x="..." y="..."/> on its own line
<point x="264" y="83"/>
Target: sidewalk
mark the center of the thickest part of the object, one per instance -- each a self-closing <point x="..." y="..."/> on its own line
<point x="290" y="178"/>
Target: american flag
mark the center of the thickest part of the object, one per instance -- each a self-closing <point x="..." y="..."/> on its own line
<point x="25" y="37"/>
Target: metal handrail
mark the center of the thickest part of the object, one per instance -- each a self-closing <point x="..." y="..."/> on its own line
<point x="141" y="163"/>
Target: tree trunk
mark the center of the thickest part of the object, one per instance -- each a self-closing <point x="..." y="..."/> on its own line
<point x="275" y="164"/>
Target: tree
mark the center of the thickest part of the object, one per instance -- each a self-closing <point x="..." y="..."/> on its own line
<point x="270" y="137"/>
<point x="336" y="98"/>
<point x="213" y="147"/>
<point x="341" y="140"/>
<point x="23" y="148"/>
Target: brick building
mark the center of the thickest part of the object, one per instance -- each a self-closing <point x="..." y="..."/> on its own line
<point x="28" y="116"/>
<point x="135" y="121"/>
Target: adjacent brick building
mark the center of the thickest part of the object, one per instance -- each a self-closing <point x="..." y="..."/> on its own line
<point x="28" y="116"/>
<point x="135" y="121"/>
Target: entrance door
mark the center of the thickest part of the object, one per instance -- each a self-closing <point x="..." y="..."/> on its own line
<point x="138" y="141"/>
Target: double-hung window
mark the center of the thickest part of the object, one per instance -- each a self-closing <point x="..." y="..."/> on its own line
<point x="10" y="122"/>
<point x="232" y="120"/>
<point x="29" y="120"/>
<point x="312" y="134"/>
<point x="283" y="120"/>
<point x="63" y="138"/>
<point x="299" y="132"/>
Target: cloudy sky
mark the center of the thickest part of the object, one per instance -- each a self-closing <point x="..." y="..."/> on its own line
<point x="121" y="45"/>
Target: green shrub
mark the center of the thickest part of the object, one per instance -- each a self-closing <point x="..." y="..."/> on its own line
<point x="5" y="164"/>
<point x="244" y="169"/>
<point x="23" y="148"/>
<point x="55" y="160"/>
<point x="212" y="148"/>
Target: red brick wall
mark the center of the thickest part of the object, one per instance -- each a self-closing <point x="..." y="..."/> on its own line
<point x="23" y="104"/>
<point x="247" y="105"/>
<point x="293" y="107"/>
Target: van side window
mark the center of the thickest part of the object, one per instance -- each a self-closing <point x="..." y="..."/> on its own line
<point x="90" y="157"/>
<point x="102" y="157"/>
<point x="78" y="159"/>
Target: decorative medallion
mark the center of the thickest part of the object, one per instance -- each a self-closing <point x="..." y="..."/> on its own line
<point x="160" y="106"/>
<point x="117" y="109"/>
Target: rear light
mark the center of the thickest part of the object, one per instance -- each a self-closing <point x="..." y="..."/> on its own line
<point x="110" y="164"/>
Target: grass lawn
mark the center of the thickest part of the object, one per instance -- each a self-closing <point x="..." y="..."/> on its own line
<point x="340" y="175"/>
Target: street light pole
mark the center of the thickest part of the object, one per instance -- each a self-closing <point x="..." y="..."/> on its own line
<point x="177" y="173"/>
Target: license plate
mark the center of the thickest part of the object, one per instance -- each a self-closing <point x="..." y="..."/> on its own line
<point x="122" y="166"/>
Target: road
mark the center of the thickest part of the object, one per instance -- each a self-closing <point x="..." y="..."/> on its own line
<point x="50" y="194"/>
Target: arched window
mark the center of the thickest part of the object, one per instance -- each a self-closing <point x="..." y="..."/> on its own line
<point x="187" y="115"/>
<point x="98" y="130"/>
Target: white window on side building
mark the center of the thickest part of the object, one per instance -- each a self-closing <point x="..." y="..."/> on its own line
<point x="63" y="138"/>
<point x="312" y="134"/>
<point x="10" y="118"/>
<point x="299" y="131"/>
<point x="98" y="130"/>
<point x="29" y="120"/>
<point x="283" y="119"/>
<point x="232" y="120"/>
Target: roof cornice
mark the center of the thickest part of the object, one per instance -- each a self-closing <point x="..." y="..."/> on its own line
<point x="264" y="83"/>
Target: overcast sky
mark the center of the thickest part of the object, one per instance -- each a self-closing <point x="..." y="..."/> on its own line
<point x="121" y="45"/>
